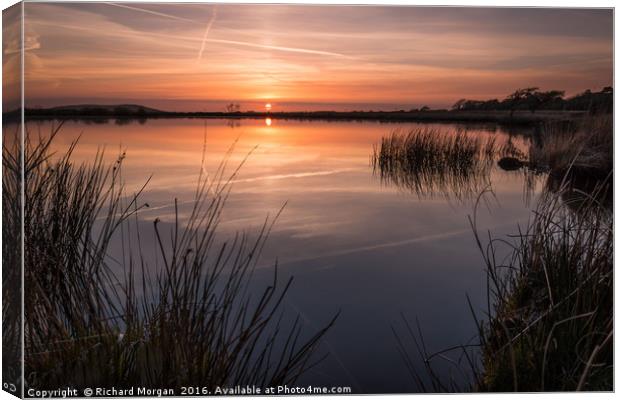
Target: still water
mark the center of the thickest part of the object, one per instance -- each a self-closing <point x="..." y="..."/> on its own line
<point x="354" y="244"/>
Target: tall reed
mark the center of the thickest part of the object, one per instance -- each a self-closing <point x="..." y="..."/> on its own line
<point x="11" y="257"/>
<point x="548" y="323"/>
<point x="551" y="301"/>
<point x="190" y="319"/>
<point x="584" y="148"/>
<point x="428" y="162"/>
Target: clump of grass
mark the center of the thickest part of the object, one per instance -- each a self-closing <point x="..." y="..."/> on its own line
<point x="583" y="149"/>
<point x="577" y="159"/>
<point x="549" y="321"/>
<point x="11" y="257"/>
<point x="189" y="320"/>
<point x="428" y="162"/>
<point x="550" y="324"/>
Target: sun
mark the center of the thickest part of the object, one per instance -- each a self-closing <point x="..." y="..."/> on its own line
<point x="268" y="106"/>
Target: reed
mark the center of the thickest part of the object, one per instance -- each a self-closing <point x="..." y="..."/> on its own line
<point x="428" y="162"/>
<point x="189" y="320"/>
<point x="11" y="256"/>
<point x="550" y="324"/>
<point x="585" y="148"/>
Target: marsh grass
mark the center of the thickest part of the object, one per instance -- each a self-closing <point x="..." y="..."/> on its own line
<point x="190" y="320"/>
<point x="11" y="257"/>
<point x="577" y="160"/>
<point x="428" y="162"/>
<point x="548" y="325"/>
<point x="551" y="301"/>
<point x="585" y="148"/>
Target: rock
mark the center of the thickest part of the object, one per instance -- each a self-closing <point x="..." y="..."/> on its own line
<point x="510" y="164"/>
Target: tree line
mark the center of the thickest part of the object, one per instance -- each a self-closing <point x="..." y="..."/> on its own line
<point x="533" y="99"/>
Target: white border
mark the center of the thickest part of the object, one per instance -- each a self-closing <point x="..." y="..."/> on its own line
<point x="472" y="3"/>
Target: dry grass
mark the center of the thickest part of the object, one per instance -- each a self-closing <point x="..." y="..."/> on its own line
<point x="548" y="325"/>
<point x="192" y="319"/>
<point x="549" y="322"/>
<point x="551" y="302"/>
<point x="586" y="148"/>
<point x="11" y="256"/>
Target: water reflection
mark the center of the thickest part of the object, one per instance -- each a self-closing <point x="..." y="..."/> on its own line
<point x="431" y="162"/>
<point x="233" y="122"/>
<point x="351" y="243"/>
<point x="460" y="166"/>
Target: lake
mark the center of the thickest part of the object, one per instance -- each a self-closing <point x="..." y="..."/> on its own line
<point x="355" y="243"/>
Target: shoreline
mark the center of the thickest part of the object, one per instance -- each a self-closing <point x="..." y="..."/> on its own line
<point x="521" y="117"/>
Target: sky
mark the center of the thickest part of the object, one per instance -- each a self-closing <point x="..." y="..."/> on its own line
<point x="199" y="57"/>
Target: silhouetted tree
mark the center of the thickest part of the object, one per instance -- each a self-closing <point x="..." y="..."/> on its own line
<point x="533" y="99"/>
<point x="549" y="97"/>
<point x="519" y="98"/>
<point x="460" y="105"/>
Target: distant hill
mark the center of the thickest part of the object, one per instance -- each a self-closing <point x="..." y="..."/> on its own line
<point x="98" y="109"/>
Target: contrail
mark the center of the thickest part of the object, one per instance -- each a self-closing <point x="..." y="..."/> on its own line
<point x="136" y="34"/>
<point x="152" y="12"/>
<point x="296" y="175"/>
<point x="397" y="243"/>
<point x="204" y="37"/>
<point x="280" y="48"/>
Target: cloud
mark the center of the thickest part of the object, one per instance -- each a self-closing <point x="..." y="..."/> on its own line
<point x="12" y="43"/>
<point x="307" y="54"/>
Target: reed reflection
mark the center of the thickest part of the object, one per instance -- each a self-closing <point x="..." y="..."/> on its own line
<point x="428" y="162"/>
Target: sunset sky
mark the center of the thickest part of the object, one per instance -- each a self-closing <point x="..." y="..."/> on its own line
<point x="200" y="56"/>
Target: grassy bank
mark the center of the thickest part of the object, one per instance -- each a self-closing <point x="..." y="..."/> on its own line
<point x="548" y="325"/>
<point x="581" y="150"/>
<point x="551" y="302"/>
<point x="188" y="319"/>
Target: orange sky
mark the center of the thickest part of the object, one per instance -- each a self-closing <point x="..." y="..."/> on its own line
<point x="200" y="56"/>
